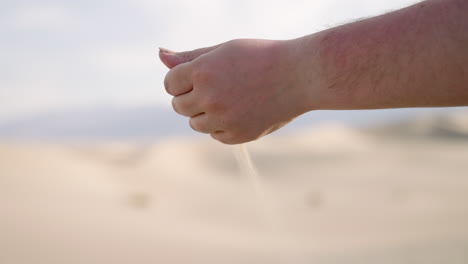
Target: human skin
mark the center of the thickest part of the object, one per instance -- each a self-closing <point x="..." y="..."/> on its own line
<point x="243" y="89"/>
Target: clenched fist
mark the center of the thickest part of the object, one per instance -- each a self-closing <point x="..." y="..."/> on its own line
<point x="237" y="91"/>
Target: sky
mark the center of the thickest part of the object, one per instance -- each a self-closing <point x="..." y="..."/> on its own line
<point x="77" y="54"/>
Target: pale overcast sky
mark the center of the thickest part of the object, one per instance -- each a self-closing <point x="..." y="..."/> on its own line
<point x="65" y="54"/>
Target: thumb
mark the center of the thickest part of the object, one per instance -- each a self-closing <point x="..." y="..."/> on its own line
<point x="172" y="59"/>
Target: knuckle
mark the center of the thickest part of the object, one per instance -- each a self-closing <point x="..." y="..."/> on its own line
<point x="213" y="103"/>
<point x="201" y="74"/>
<point x="225" y="138"/>
<point x="192" y="124"/>
<point x="167" y="83"/>
<point x="217" y="136"/>
<point x="195" y="125"/>
<point x="175" y="105"/>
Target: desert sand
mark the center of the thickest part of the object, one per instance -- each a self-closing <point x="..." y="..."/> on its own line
<point x="332" y="194"/>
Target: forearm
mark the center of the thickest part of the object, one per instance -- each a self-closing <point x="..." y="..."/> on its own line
<point x="414" y="57"/>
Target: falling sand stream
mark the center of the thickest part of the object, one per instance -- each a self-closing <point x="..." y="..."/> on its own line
<point x="264" y="202"/>
<point x="249" y="171"/>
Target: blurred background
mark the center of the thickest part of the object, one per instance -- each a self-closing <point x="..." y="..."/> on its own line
<point x="96" y="168"/>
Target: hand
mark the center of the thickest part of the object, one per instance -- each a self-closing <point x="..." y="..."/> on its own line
<point x="237" y="91"/>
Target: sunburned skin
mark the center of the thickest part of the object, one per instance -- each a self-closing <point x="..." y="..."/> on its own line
<point x="351" y="57"/>
<point x="400" y="59"/>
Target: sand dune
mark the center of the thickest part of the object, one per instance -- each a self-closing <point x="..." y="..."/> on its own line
<point x="448" y="126"/>
<point x="338" y="195"/>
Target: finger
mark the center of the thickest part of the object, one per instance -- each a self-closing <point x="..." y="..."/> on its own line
<point x="178" y="80"/>
<point x="171" y="59"/>
<point x="203" y="123"/>
<point x="192" y="55"/>
<point x="186" y="104"/>
<point x="223" y="137"/>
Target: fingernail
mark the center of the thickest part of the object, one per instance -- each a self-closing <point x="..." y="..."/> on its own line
<point x="165" y="50"/>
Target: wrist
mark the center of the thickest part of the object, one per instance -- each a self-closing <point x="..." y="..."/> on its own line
<point x="312" y="73"/>
<point x="326" y="68"/>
